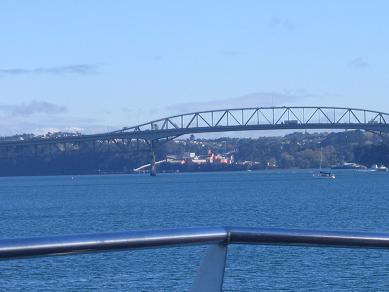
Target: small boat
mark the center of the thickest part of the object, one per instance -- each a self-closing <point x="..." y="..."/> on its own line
<point x="375" y="167"/>
<point x="324" y="174"/>
<point x="349" y="165"/>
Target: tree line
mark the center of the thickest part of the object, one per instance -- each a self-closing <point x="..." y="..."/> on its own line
<point x="296" y="150"/>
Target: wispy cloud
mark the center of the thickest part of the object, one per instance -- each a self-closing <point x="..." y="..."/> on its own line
<point x="80" y="69"/>
<point x="229" y="52"/>
<point x="358" y="63"/>
<point x="42" y="124"/>
<point x="65" y="124"/>
<point x="281" y="23"/>
<point x="30" y="108"/>
<point x="136" y="115"/>
<point x="249" y="100"/>
<point x="154" y="58"/>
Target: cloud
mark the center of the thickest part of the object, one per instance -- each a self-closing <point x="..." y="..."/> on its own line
<point x="249" y="100"/>
<point x="40" y="117"/>
<point x="70" y="124"/>
<point x="229" y="52"/>
<point x="80" y="69"/>
<point x="31" y="108"/>
<point x="358" y="63"/>
<point x="155" y="58"/>
<point x="42" y="124"/>
<point x="136" y="115"/>
<point x="279" y="23"/>
<point x="127" y="110"/>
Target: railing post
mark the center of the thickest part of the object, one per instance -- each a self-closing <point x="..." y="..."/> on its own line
<point x="211" y="272"/>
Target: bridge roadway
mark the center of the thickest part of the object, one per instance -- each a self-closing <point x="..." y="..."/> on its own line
<point x="229" y="120"/>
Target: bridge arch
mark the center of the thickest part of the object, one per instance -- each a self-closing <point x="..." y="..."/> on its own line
<point x="227" y="120"/>
<point x="260" y="118"/>
<point x="236" y="119"/>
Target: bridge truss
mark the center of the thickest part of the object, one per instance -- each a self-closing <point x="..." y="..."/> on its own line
<point x="260" y="118"/>
<point x="225" y="120"/>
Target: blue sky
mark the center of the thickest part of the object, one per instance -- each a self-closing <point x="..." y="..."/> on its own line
<point x="102" y="65"/>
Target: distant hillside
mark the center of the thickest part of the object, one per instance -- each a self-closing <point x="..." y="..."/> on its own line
<point x="297" y="150"/>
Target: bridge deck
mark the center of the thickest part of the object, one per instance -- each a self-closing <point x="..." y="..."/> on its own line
<point x="229" y="120"/>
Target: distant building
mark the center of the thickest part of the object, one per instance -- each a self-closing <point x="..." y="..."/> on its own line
<point x="211" y="158"/>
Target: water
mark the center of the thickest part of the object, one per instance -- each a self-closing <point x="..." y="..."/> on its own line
<point x="33" y="206"/>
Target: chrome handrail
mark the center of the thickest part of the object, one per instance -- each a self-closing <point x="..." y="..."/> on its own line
<point x="70" y="244"/>
<point x="218" y="237"/>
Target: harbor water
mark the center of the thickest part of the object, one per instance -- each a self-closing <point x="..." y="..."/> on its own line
<point x="57" y="205"/>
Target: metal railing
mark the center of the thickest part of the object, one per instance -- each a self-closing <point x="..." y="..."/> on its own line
<point x="211" y="271"/>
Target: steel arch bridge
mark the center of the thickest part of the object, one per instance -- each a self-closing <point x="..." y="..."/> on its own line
<point x="260" y="118"/>
<point x="237" y="119"/>
<point x="228" y="120"/>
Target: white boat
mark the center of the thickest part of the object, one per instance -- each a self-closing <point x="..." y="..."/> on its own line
<point x="375" y="167"/>
<point x="324" y="174"/>
<point x="349" y="165"/>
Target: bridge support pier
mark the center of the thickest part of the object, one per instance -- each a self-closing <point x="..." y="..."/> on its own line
<point x="153" y="167"/>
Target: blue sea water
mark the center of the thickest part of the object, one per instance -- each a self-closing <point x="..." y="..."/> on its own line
<point x="37" y="206"/>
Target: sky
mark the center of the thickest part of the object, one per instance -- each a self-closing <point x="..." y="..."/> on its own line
<point x="93" y="66"/>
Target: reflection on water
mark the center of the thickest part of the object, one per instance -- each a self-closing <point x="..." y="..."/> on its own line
<point x="33" y="206"/>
